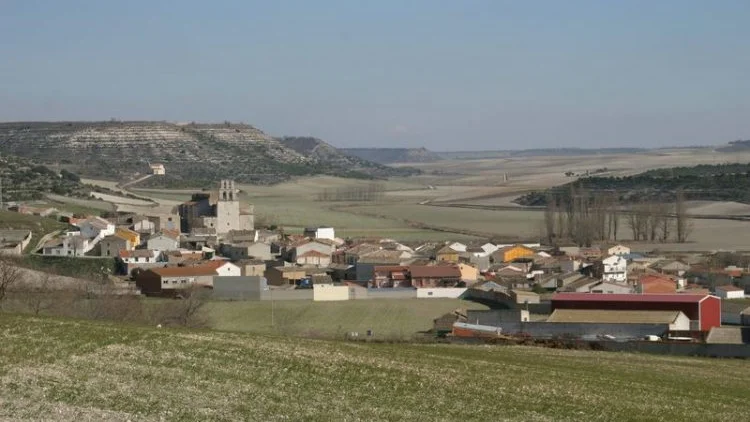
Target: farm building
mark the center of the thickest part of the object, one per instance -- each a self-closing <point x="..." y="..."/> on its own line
<point x="158" y="169"/>
<point x="730" y="292"/>
<point x="325" y="292"/>
<point x="704" y="311"/>
<point x="510" y="253"/>
<point x="677" y="320"/>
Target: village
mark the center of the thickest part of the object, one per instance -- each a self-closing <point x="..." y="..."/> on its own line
<point x="602" y="292"/>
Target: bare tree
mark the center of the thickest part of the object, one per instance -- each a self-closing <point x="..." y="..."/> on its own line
<point x="9" y="275"/>
<point x="683" y="224"/>
<point x="187" y="311"/>
<point x="38" y="297"/>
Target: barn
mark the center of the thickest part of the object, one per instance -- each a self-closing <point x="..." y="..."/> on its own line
<point x="704" y="311"/>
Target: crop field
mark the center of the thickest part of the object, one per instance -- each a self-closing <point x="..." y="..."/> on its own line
<point x="521" y="223"/>
<point x="69" y="370"/>
<point x="388" y="318"/>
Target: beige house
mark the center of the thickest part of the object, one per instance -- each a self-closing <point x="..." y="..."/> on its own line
<point x="251" y="267"/>
<point x="315" y="258"/>
<point x="469" y="273"/>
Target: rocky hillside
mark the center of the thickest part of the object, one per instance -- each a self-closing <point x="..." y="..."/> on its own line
<point x="393" y="155"/>
<point x="192" y="153"/>
<point x="318" y="150"/>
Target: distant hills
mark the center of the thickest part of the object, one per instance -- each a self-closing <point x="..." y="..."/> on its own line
<point x="193" y="153"/>
<point x="394" y="155"/>
<point x="707" y="182"/>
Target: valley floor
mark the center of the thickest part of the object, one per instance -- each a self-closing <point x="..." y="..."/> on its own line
<point x="57" y="369"/>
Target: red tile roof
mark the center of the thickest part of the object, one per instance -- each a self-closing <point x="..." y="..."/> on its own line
<point x="657" y="284"/>
<point x="656" y="298"/>
<point x="434" y="271"/>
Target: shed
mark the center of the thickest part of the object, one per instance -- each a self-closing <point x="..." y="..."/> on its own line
<point x="703" y="310"/>
<point x="677" y="320"/>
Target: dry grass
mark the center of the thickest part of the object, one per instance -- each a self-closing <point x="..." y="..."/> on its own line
<point x="54" y="369"/>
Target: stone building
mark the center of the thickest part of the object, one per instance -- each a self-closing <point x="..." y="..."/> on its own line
<point x="219" y="212"/>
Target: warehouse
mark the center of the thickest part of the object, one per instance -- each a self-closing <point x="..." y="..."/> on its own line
<point x="704" y="311"/>
<point x="676" y="320"/>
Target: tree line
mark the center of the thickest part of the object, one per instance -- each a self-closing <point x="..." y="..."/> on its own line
<point x="584" y="217"/>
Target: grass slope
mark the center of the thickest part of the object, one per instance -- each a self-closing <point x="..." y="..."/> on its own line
<point x="389" y="319"/>
<point x="39" y="226"/>
<point x="74" y="370"/>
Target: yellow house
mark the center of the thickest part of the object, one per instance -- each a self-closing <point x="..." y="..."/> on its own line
<point x="446" y="254"/>
<point x="510" y="253"/>
<point x="469" y="274"/>
<point x="133" y="237"/>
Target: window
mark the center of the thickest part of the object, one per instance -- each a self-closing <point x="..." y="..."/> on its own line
<point x="107" y="252"/>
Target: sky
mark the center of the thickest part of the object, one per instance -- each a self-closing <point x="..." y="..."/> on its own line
<point x="446" y="75"/>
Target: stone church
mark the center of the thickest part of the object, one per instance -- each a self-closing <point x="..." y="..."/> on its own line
<point x="217" y="212"/>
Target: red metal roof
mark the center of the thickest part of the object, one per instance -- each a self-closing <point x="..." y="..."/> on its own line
<point x="658" y="298"/>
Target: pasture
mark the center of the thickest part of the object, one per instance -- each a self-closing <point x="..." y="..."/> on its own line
<point x="71" y="370"/>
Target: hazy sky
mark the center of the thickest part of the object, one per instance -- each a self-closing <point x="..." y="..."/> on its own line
<point x="441" y="74"/>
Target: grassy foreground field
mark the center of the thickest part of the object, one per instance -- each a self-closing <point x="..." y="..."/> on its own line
<point x="389" y="319"/>
<point x="56" y="369"/>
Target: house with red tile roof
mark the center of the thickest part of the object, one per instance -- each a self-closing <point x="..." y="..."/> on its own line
<point x="656" y="284"/>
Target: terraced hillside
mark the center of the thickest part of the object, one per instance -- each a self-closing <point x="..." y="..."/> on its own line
<point x="192" y="153"/>
<point x="69" y="370"/>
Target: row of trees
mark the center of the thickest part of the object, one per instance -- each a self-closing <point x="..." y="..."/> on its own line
<point x="584" y="217"/>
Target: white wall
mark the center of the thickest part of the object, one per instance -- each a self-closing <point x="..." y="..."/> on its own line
<point x="440" y="292"/>
<point x="229" y="270"/>
<point x="739" y="294"/>
<point x="329" y="292"/>
<point x="682" y="323"/>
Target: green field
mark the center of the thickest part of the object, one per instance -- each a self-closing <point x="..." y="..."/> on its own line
<point x="39" y="226"/>
<point x="70" y="370"/>
<point x="388" y="318"/>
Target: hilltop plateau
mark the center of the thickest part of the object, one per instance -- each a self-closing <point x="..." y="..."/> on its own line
<point x="192" y="153"/>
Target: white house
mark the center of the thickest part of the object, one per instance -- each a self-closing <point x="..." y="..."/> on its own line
<point x="69" y="245"/>
<point x="489" y="248"/>
<point x="140" y="256"/>
<point x="158" y="169"/>
<point x="144" y="226"/>
<point x="615" y="269"/>
<point x="730" y="292"/>
<point x="163" y="242"/>
<point x="320" y="233"/>
<point x="225" y="268"/>
<point x="458" y="247"/>
<point x="95" y="228"/>
<point x="618" y="250"/>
